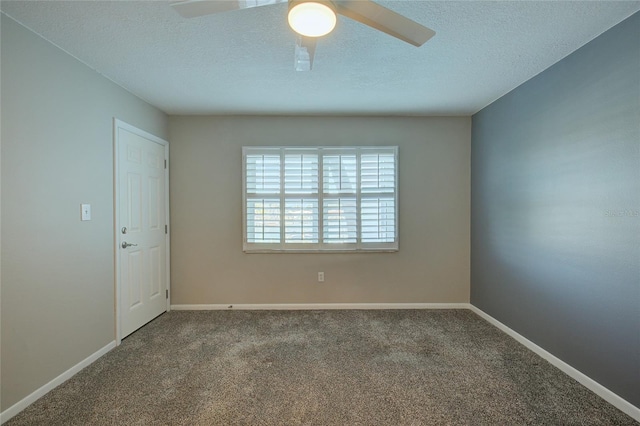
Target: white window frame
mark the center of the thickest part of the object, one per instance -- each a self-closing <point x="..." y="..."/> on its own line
<point x="321" y="246"/>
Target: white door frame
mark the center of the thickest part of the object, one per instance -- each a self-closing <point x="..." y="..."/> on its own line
<point x="119" y="124"/>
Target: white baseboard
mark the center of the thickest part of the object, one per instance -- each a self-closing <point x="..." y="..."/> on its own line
<point x="317" y="306"/>
<point x="40" y="392"/>
<point x="604" y="393"/>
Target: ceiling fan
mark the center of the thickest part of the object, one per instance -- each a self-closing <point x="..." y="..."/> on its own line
<point x="314" y="18"/>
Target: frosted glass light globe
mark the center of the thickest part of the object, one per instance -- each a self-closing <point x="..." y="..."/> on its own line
<point x="312" y="19"/>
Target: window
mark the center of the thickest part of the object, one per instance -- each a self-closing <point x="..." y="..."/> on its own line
<point x="320" y="199"/>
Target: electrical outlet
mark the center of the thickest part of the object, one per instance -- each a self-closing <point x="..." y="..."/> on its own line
<point x="320" y="277"/>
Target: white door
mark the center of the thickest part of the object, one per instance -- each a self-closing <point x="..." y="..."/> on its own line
<point x="141" y="227"/>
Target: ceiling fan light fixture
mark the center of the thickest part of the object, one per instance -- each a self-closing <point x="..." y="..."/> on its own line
<point x="312" y="18"/>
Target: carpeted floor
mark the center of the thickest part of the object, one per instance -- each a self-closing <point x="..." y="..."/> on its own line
<point x="408" y="367"/>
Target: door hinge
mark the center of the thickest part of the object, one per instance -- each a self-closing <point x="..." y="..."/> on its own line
<point x="166" y="229"/>
<point x="167" y="293"/>
<point x="165" y="164"/>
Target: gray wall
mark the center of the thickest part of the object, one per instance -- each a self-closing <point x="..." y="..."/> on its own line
<point x="555" y="245"/>
<point x="57" y="152"/>
<point x="207" y="262"/>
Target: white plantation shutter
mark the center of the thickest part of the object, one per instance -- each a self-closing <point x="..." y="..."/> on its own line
<point x="301" y="173"/>
<point x="262" y="205"/>
<point x="340" y="207"/>
<point x="378" y="206"/>
<point x="340" y="217"/>
<point x="301" y="197"/>
<point x="301" y="221"/>
<point x="320" y="199"/>
<point x="339" y="174"/>
<point x="263" y="220"/>
<point x="263" y="174"/>
<point x="377" y="220"/>
<point x="378" y="173"/>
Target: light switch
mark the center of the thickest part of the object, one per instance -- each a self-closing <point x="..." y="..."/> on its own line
<point x="85" y="210"/>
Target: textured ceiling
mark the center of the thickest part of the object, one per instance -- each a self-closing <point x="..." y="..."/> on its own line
<point x="241" y="62"/>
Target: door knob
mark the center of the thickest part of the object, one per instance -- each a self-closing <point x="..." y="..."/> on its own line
<point x="126" y="244"/>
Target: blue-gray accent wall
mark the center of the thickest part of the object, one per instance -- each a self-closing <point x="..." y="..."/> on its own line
<point x="555" y="209"/>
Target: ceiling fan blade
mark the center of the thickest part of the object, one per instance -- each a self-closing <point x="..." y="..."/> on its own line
<point x="304" y="53"/>
<point x="195" y="8"/>
<point x="385" y="20"/>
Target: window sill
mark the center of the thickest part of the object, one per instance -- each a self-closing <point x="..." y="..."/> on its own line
<point x="327" y="251"/>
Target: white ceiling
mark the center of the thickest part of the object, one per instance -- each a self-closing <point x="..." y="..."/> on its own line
<point x="241" y="62"/>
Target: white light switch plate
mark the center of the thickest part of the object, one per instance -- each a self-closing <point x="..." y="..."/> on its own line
<point x="85" y="211"/>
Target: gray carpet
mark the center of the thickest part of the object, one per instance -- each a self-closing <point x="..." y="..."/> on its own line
<point x="320" y="368"/>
